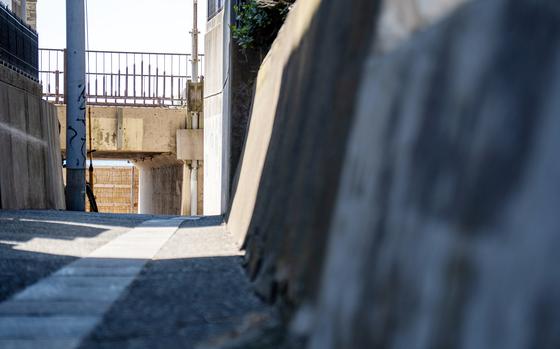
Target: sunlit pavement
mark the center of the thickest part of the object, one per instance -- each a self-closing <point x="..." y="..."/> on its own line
<point x="75" y="280"/>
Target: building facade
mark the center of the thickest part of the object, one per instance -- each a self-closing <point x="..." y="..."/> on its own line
<point x="30" y="13"/>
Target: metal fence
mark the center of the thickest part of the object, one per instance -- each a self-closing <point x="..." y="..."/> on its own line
<point x="18" y="44"/>
<point x="122" y="78"/>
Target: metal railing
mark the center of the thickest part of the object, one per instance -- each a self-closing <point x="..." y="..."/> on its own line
<point x="18" y="44"/>
<point x="121" y="78"/>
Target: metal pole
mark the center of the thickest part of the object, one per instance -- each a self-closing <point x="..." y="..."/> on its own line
<point x="194" y="115"/>
<point x="194" y="56"/>
<point x="76" y="106"/>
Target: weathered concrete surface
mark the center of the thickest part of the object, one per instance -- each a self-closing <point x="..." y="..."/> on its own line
<point x="190" y="144"/>
<point x="161" y="185"/>
<point x="130" y="132"/>
<point x="19" y="81"/>
<point x="217" y="85"/>
<point x="399" y="19"/>
<point x="291" y="162"/>
<point x="408" y="202"/>
<point x="148" y="137"/>
<point x="30" y="162"/>
<point x="450" y="220"/>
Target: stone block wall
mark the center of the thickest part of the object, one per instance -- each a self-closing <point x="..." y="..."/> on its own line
<point x="402" y="191"/>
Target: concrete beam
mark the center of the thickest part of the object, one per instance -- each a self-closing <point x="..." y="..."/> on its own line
<point x="131" y="132"/>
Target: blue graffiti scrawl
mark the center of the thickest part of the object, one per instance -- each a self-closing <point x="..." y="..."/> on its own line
<point x="81" y="118"/>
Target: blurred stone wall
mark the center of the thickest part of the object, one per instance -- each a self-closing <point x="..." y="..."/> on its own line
<point x="401" y="191"/>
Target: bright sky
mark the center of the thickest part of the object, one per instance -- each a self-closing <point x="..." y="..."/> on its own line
<point x="126" y="25"/>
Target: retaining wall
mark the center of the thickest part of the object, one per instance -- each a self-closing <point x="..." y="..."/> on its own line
<point x="401" y="191"/>
<point x="30" y="158"/>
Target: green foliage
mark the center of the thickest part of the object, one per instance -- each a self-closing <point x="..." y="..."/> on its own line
<point x="257" y="26"/>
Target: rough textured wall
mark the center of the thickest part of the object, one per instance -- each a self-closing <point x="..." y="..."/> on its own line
<point x="292" y="142"/>
<point x="401" y="18"/>
<point x="411" y="201"/>
<point x="160" y="187"/>
<point x="245" y="65"/>
<point x="30" y="159"/>
<point x="445" y="233"/>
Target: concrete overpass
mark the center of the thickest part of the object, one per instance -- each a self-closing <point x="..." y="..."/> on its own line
<point x="160" y="143"/>
<point x="139" y="111"/>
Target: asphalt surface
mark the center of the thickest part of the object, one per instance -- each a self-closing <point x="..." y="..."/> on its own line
<point x="192" y="290"/>
<point x="33" y="244"/>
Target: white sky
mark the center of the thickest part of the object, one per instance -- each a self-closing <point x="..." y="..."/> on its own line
<point x="126" y="25"/>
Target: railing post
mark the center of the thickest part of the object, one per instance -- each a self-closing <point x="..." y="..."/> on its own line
<point x="65" y="72"/>
<point x="126" y="84"/>
<point x="56" y="86"/>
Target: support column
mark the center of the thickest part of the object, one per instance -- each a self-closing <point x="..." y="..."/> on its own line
<point x="76" y="106"/>
<point x="146" y="191"/>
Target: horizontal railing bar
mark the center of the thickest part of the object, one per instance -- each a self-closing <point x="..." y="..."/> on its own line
<point x="127" y="52"/>
<point x="122" y="77"/>
<point x="148" y="78"/>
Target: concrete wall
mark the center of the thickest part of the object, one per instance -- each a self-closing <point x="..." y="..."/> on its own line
<point x="401" y="191"/>
<point x="217" y="113"/>
<point x="160" y="189"/>
<point x="30" y="161"/>
<point x="161" y="185"/>
<point x="291" y="163"/>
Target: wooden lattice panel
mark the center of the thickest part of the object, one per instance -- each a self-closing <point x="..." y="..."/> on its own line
<point x="116" y="189"/>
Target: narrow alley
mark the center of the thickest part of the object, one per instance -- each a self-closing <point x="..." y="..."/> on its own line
<point x="279" y="174"/>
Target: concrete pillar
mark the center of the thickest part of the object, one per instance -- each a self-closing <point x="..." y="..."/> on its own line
<point x="146" y="191"/>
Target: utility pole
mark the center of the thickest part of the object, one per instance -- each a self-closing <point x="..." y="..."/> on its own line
<point x="194" y="114"/>
<point x="195" y="76"/>
<point x="75" y="106"/>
